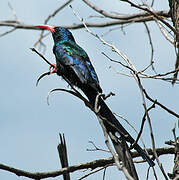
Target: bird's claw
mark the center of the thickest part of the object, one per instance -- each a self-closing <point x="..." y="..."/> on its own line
<point x="53" y="68"/>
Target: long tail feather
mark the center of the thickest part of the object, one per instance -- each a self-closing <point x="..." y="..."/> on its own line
<point x="106" y="113"/>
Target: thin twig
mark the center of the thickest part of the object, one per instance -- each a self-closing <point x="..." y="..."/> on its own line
<point x="142" y="125"/>
<point x="151" y="45"/>
<point x="34" y="50"/>
<point x="104" y="173"/>
<point x="93" y="172"/>
<point x="7" y="32"/>
<point x="13" y="11"/>
<point x="174" y="133"/>
<point x="96" y="148"/>
<point x="161" y="105"/>
<point x="57" y="11"/>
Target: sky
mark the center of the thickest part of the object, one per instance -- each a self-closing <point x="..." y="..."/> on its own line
<point x="29" y="128"/>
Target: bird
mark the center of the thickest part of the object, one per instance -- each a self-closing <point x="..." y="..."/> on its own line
<point x="73" y="63"/>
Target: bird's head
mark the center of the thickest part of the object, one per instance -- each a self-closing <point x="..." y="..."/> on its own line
<point x="58" y="33"/>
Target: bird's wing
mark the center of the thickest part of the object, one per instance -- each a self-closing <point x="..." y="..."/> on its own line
<point x="80" y="55"/>
<point x="74" y="56"/>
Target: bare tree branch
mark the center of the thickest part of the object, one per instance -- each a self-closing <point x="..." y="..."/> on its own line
<point x="153" y="13"/>
<point x="122" y="17"/>
<point x="57" y="11"/>
<point x="126" y="19"/>
<point x="161" y="105"/>
<point x="151" y="45"/>
<point x="89" y="165"/>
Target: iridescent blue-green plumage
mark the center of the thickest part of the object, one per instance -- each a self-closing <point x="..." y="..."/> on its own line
<point x="72" y="61"/>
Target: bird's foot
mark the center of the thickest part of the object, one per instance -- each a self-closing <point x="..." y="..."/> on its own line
<point x="53" y="68"/>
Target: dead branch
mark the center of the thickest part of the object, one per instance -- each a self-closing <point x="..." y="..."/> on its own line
<point x="89" y="165"/>
<point x="122" y="17"/>
<point x="125" y="19"/>
<point x="152" y="13"/>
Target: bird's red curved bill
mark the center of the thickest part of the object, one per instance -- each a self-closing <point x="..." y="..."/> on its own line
<point x="50" y="28"/>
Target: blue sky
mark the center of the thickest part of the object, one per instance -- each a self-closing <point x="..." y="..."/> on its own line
<point x="29" y="127"/>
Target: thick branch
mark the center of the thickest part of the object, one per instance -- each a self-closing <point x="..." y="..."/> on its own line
<point x="91" y="165"/>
